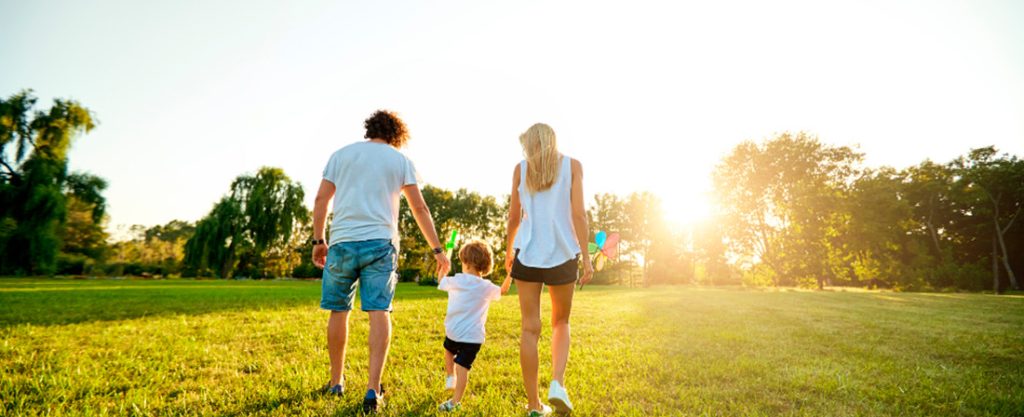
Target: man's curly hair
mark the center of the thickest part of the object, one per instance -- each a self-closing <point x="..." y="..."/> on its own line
<point x="386" y="125"/>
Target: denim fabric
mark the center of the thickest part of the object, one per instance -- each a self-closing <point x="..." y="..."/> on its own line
<point x="371" y="264"/>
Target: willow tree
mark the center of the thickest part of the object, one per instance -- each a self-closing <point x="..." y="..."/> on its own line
<point x="33" y="179"/>
<point x="246" y="227"/>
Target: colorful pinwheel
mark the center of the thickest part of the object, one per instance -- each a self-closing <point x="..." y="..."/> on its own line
<point x="606" y="246"/>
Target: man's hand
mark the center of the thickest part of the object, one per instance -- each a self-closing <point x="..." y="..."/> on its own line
<point x="506" y="284"/>
<point x="588" y="272"/>
<point x="443" y="265"/>
<point x="320" y="255"/>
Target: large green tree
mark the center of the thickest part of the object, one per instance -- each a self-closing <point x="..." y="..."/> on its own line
<point x="993" y="188"/>
<point x="34" y="180"/>
<point x="475" y="215"/>
<point x="250" y="230"/>
<point x="778" y="201"/>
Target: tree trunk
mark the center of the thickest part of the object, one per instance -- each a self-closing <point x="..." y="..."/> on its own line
<point x="1006" y="258"/>
<point x="931" y="227"/>
<point x="995" y="266"/>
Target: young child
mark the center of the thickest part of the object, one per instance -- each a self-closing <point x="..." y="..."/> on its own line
<point x="469" y="297"/>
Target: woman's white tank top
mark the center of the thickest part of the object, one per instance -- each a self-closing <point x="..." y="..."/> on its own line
<point x="546" y="236"/>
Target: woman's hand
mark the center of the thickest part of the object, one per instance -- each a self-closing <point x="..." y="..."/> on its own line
<point x="509" y="257"/>
<point x="443" y="265"/>
<point x="319" y="255"/>
<point x="588" y="272"/>
<point x="506" y="284"/>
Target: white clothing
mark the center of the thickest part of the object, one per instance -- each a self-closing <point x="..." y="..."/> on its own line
<point x="547" y="237"/>
<point x="469" y="297"/>
<point x="368" y="178"/>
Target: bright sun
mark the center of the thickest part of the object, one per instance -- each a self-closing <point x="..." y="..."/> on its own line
<point x="683" y="210"/>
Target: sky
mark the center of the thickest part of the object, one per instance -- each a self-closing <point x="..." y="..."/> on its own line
<point x="649" y="96"/>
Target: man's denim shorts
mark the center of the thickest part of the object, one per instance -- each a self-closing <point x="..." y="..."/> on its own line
<point x="371" y="263"/>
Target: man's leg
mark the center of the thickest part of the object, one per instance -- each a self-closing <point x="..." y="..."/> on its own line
<point x="380" y="341"/>
<point x="337" y="340"/>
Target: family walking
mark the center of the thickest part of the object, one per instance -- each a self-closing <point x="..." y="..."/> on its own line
<point x="547" y="226"/>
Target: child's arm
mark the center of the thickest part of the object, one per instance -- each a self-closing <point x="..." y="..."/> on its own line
<point x="505" y="285"/>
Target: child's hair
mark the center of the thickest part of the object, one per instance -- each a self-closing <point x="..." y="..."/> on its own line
<point x="477" y="255"/>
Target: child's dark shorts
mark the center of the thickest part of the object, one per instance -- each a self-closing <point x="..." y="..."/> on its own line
<point x="465" y="353"/>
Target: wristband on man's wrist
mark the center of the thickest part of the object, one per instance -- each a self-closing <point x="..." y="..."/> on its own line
<point x="438" y="251"/>
<point x="317" y="242"/>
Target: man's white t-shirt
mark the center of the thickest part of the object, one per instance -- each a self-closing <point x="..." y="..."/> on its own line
<point x="368" y="178"/>
<point x="469" y="297"/>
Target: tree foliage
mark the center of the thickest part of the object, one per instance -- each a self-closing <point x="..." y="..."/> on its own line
<point x="797" y="212"/>
<point x="248" y="231"/>
<point x="35" y="185"/>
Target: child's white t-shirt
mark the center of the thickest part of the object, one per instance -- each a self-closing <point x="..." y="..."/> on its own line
<point x="469" y="297"/>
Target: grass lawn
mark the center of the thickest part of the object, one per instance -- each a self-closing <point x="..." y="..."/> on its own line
<point x="175" y="347"/>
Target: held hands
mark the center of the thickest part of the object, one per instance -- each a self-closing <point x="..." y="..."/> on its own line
<point x="443" y="265"/>
<point x="319" y="255"/>
<point x="506" y="284"/>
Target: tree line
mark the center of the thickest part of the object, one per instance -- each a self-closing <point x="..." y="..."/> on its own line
<point x="795" y="211"/>
<point x="790" y="211"/>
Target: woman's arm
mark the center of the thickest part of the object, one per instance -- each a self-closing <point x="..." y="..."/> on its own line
<point x="425" y="221"/>
<point x="515" y="215"/>
<point x="579" y="220"/>
<point x="323" y="196"/>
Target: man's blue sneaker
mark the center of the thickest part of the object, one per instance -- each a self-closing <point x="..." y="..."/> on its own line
<point x="336" y="390"/>
<point x="373" y="401"/>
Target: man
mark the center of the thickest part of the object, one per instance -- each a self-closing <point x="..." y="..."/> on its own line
<point x="365" y="180"/>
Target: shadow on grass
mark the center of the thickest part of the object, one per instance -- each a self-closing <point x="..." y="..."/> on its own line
<point x="70" y="302"/>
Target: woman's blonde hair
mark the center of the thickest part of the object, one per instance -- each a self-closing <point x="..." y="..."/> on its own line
<point x="542" y="157"/>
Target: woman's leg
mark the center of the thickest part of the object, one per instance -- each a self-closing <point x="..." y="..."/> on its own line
<point x="529" y="307"/>
<point x="561" y="307"/>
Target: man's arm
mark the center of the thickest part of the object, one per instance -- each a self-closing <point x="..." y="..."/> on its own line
<point x="323" y="196"/>
<point x="425" y="221"/>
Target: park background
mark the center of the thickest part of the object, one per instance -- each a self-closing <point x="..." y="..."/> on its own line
<point x="819" y="202"/>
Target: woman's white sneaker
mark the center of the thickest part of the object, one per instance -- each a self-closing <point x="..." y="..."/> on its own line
<point x="449" y="382"/>
<point x="559" y="398"/>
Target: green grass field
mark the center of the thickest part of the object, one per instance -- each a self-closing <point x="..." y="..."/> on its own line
<point x="182" y="347"/>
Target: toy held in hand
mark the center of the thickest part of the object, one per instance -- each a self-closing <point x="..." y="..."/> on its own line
<point x="450" y="244"/>
<point x="604" y="247"/>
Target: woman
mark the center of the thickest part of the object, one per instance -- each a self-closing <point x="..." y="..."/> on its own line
<point x="547" y="226"/>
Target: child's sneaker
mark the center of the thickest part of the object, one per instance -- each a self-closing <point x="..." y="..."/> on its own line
<point x="449" y="406"/>
<point x="336" y="390"/>
<point x="559" y="398"/>
<point x="544" y="411"/>
<point x="373" y="401"/>
<point x="449" y="382"/>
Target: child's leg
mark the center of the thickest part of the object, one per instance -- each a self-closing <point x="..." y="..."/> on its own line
<point x="461" y="379"/>
<point x="449" y="362"/>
